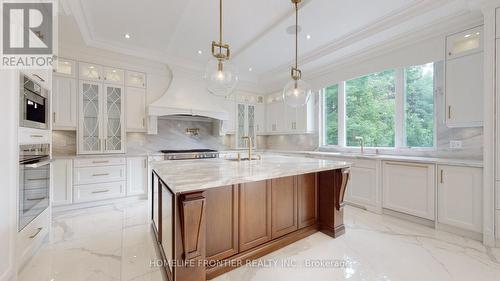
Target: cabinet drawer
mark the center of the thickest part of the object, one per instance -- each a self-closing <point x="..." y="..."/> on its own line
<point x="360" y="163"/>
<point x="33" y="136"/>
<point x="101" y="191"/>
<point x="32" y="235"/>
<point x="95" y="162"/>
<point x="88" y="175"/>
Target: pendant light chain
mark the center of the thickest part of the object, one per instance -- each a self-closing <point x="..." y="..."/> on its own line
<point x="296" y="33"/>
<point x="220" y="24"/>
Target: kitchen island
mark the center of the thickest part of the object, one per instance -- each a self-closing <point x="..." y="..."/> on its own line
<point x="213" y="215"/>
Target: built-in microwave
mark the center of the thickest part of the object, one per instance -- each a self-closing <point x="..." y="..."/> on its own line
<point x="34" y="104"/>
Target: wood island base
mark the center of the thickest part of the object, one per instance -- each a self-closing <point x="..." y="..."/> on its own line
<point x="204" y="234"/>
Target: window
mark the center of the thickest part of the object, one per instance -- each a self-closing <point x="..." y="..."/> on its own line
<point x="383" y="114"/>
<point x="370" y="109"/>
<point x="419" y="106"/>
<point x="331" y="115"/>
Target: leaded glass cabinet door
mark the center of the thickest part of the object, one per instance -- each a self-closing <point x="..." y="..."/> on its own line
<point x="251" y="131"/>
<point x="241" y="128"/>
<point x="114" y="131"/>
<point x="89" y="131"/>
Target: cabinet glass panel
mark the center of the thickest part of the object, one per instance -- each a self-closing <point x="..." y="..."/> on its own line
<point x="241" y="125"/>
<point x="65" y="67"/>
<point x="251" y="123"/>
<point x="90" y="109"/>
<point x="113" y="75"/>
<point x="113" y="118"/>
<point x="90" y="72"/>
<point x="136" y="79"/>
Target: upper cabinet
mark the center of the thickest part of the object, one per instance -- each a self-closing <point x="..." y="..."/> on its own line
<point x="65" y="67"/>
<point x="64" y="101"/>
<point x="464" y="78"/>
<point x="136" y="109"/>
<point x="135" y="79"/>
<point x="113" y="75"/>
<point x="90" y="71"/>
<point x="283" y="119"/>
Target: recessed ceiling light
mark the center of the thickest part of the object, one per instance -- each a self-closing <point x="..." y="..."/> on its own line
<point x="127" y="36"/>
<point x="467" y="36"/>
<point x="250" y="69"/>
<point x="477" y="33"/>
<point x="308" y="36"/>
<point x="200" y="52"/>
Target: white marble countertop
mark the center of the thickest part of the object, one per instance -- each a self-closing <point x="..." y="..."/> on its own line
<point x="195" y="175"/>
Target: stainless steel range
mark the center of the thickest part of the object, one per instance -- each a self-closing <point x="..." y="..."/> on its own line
<point x="190" y="154"/>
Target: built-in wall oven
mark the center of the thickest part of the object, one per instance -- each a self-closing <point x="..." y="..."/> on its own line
<point x="34" y="182"/>
<point x="34" y="104"/>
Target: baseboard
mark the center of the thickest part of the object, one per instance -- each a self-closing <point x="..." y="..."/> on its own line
<point x="369" y="208"/>
<point x="414" y="219"/>
<point x="76" y="206"/>
<point x="461" y="232"/>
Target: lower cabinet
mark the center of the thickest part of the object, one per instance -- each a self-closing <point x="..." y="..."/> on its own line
<point x="222" y="222"/>
<point x="136" y="175"/>
<point x="62" y="182"/>
<point x="283" y="206"/>
<point x="255" y="214"/>
<point x="98" y="191"/>
<point x="362" y="186"/>
<point x="498" y="226"/>
<point x="409" y="188"/>
<point x="307" y="193"/>
<point x="460" y="197"/>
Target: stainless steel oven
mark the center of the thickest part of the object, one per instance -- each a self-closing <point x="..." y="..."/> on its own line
<point x="34" y="182"/>
<point x="34" y="104"/>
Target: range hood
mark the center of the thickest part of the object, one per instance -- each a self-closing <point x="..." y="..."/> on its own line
<point x="187" y="95"/>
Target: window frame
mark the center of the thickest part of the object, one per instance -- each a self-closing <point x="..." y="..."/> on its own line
<point x="399" y="119"/>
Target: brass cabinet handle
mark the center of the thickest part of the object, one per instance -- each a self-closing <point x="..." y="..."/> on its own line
<point x="100" y="162"/>
<point x="406" y="165"/>
<point x="100" y="191"/>
<point x="53" y="117"/>
<point x="449" y="112"/>
<point x="36" y="199"/>
<point x="442" y="176"/>
<point x="36" y="136"/>
<point x="100" y="175"/>
<point x="38" y="230"/>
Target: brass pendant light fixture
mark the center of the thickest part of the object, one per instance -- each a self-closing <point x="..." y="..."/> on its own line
<point x="221" y="76"/>
<point x="296" y="92"/>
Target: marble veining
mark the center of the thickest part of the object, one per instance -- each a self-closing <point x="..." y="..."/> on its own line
<point x="192" y="175"/>
<point x="114" y="242"/>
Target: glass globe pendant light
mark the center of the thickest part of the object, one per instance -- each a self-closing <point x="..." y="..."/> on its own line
<point x="296" y="92"/>
<point x="221" y="76"/>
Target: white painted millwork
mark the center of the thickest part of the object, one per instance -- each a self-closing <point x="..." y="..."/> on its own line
<point x="41" y="76"/>
<point x="362" y="186"/>
<point x="113" y="75"/>
<point x="30" y="238"/>
<point x="90" y="175"/>
<point x="62" y="182"/>
<point x="90" y="71"/>
<point x="101" y="127"/>
<point x="135" y="79"/>
<point x="497" y="23"/>
<point x="137" y="175"/>
<point x="464" y="78"/>
<point x="99" y="191"/>
<point x="460" y="197"/>
<point x="409" y="188"/>
<point x="498" y="227"/>
<point x="100" y="161"/>
<point x="275" y="117"/>
<point x="136" y="109"/>
<point x="33" y="136"/>
<point x="65" y="68"/>
<point x="497" y="192"/>
<point x="64" y="103"/>
<point x="283" y="119"/>
<point x="260" y="118"/>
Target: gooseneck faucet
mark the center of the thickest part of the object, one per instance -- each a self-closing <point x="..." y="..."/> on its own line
<point x="361" y="141"/>
<point x="250" y="145"/>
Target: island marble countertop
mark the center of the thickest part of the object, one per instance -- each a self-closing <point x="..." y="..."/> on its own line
<point x="201" y="174"/>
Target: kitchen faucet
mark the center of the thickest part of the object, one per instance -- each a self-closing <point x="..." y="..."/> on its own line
<point x="250" y="145"/>
<point x="361" y="143"/>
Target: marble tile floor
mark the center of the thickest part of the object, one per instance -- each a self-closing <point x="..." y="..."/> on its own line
<point x="114" y="243"/>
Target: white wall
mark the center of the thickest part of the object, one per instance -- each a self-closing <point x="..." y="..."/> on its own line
<point x="8" y="172"/>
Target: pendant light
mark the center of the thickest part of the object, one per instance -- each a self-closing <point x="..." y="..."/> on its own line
<point x="296" y="92"/>
<point x="220" y="75"/>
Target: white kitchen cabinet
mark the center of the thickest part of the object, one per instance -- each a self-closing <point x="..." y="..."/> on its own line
<point x="92" y="175"/>
<point x="498" y="227"/>
<point x="245" y="124"/>
<point x="99" y="191"/>
<point x="409" y="188"/>
<point x="137" y="175"/>
<point x="90" y="71"/>
<point x="362" y="186"/>
<point x="135" y="79"/>
<point x="65" y="68"/>
<point x="260" y="118"/>
<point x="62" y="185"/>
<point x="460" y="197"/>
<point x="64" y="103"/>
<point x="136" y="109"/>
<point x="101" y="111"/>
<point x="113" y="75"/>
<point x="42" y="77"/>
<point x="464" y="79"/>
<point x="33" y="136"/>
<point x="497" y="192"/>
<point x="275" y="117"/>
<point x="31" y="237"/>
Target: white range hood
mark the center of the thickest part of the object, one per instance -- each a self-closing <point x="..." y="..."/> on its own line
<point x="187" y="95"/>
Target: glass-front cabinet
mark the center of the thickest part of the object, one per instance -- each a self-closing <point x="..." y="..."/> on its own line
<point x="65" y="67"/>
<point x="90" y="71"/>
<point x="100" y="128"/>
<point x="113" y="75"/>
<point x="245" y="124"/>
